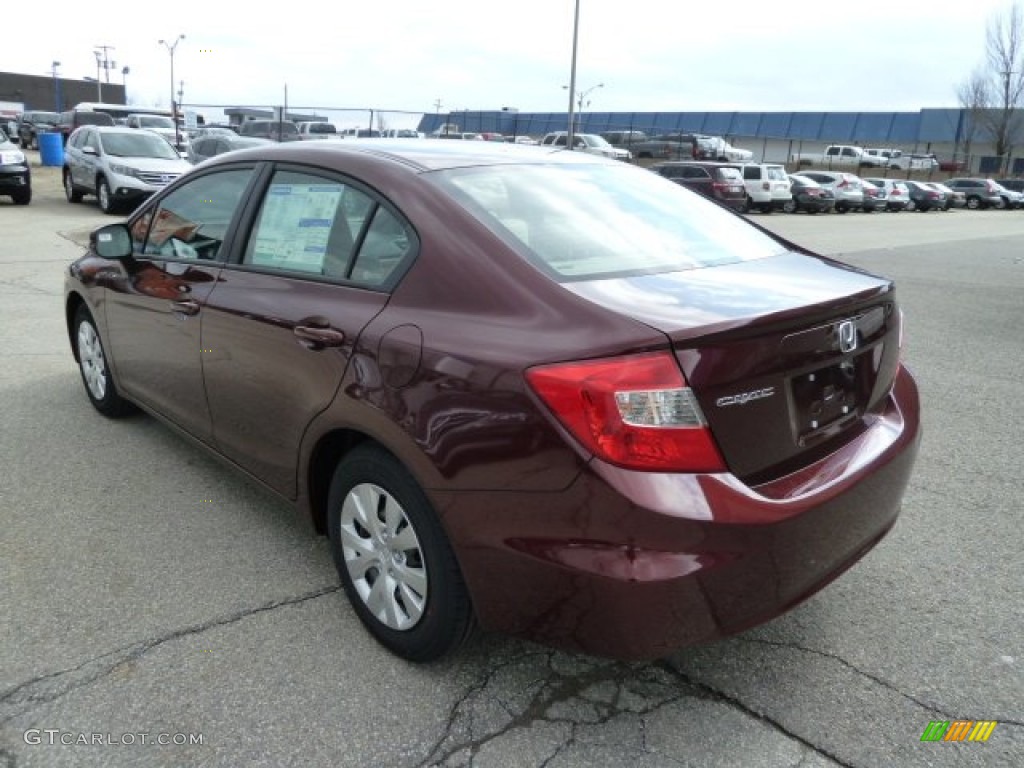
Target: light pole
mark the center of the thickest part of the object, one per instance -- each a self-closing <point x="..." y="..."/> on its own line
<point x="56" y="86"/>
<point x="571" y="138"/>
<point x="125" y="71"/>
<point x="174" y="112"/>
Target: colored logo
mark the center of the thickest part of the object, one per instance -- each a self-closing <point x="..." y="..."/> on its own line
<point x="958" y="730"/>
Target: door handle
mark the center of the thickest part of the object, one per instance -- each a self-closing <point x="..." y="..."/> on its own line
<point x="318" y="338"/>
<point x="186" y="306"/>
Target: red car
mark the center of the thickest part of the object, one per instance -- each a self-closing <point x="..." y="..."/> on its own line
<point x="536" y="391"/>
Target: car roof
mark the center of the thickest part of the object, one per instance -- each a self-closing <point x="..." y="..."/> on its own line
<point x="420" y="155"/>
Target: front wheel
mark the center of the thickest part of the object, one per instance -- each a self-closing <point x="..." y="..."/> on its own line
<point x="394" y="559"/>
<point x="789" y="206"/>
<point x="70" y="192"/>
<point x="92" y="362"/>
<point x="973" y="203"/>
<point x="22" y="197"/>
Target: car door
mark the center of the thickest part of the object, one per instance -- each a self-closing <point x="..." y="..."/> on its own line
<point x="281" y="327"/>
<point x="154" y="308"/>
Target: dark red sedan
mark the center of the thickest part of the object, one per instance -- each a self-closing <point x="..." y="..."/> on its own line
<point x="536" y="391"/>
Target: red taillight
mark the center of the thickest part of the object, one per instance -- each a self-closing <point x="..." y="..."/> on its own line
<point x="635" y="411"/>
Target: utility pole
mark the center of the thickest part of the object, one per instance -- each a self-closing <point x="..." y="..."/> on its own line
<point x="108" y="64"/>
<point x="99" y="82"/>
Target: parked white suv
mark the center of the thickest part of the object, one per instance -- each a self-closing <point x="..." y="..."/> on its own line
<point x="313" y="130"/>
<point x="121" y="166"/>
<point x="768" y="186"/>
<point x="590" y="143"/>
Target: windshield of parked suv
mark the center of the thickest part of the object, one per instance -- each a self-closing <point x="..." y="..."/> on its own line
<point x="155" y="121"/>
<point x="138" y="144"/>
<point x="591" y="221"/>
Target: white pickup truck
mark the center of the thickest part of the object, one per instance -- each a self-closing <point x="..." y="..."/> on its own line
<point x="840" y="156"/>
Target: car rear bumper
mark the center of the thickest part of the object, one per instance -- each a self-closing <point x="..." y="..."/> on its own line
<point x="635" y="565"/>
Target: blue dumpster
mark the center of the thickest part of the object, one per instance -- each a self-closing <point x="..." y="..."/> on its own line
<point x="51" y="149"/>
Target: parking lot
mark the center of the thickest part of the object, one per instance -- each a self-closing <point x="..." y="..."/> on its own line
<point x="152" y="595"/>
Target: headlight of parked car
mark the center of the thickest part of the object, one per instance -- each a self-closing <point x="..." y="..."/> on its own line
<point x="123" y="170"/>
<point x="12" y="158"/>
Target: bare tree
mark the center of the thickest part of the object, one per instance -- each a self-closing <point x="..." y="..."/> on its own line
<point x="974" y="97"/>
<point x="1003" y="78"/>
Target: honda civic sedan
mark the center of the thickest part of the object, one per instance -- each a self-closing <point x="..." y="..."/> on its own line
<point x="521" y="389"/>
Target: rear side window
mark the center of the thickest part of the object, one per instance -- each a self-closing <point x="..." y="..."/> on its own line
<point x="319" y="226"/>
<point x="752" y="173"/>
<point x="584" y="222"/>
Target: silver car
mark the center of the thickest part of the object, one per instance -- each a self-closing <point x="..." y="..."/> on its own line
<point x="847" y="188"/>
<point x="121" y="166"/>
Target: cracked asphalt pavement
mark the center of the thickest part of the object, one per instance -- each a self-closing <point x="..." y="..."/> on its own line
<point x="147" y="591"/>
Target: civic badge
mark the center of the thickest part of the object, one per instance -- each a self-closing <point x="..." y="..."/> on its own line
<point x="847" y="336"/>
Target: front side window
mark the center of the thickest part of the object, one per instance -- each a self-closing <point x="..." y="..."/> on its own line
<point x="191" y="222"/>
<point x="584" y="222"/>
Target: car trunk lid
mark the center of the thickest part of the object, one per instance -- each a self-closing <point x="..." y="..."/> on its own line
<point x="787" y="356"/>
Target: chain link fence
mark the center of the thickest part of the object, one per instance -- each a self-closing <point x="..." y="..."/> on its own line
<point x="750" y="131"/>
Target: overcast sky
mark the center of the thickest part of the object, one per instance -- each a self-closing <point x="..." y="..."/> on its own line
<point x="651" y="55"/>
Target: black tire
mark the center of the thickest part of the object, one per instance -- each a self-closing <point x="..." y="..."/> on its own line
<point x="105" y="196"/>
<point x="22" y="197"/>
<point x="765" y="208"/>
<point x="973" y="203"/>
<point x="92" y="364"/>
<point x="790" y="206"/>
<point x="72" y="195"/>
<point x="423" y="629"/>
<point x="911" y="205"/>
<point x="842" y="209"/>
<point x="748" y="205"/>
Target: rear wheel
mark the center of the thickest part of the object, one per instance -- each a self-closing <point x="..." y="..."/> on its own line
<point x="842" y="208"/>
<point x="974" y="203"/>
<point x="790" y="206"/>
<point x="70" y="192"/>
<point x="394" y="559"/>
<point x="765" y="207"/>
<point x="911" y="205"/>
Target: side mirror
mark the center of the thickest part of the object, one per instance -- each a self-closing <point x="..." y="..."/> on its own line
<point x="112" y="241"/>
<point x="88" y="150"/>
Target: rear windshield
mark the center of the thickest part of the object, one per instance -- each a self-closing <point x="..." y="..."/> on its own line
<point x="155" y="121"/>
<point x="776" y="172"/>
<point x="94" y="118"/>
<point x="582" y="222"/>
